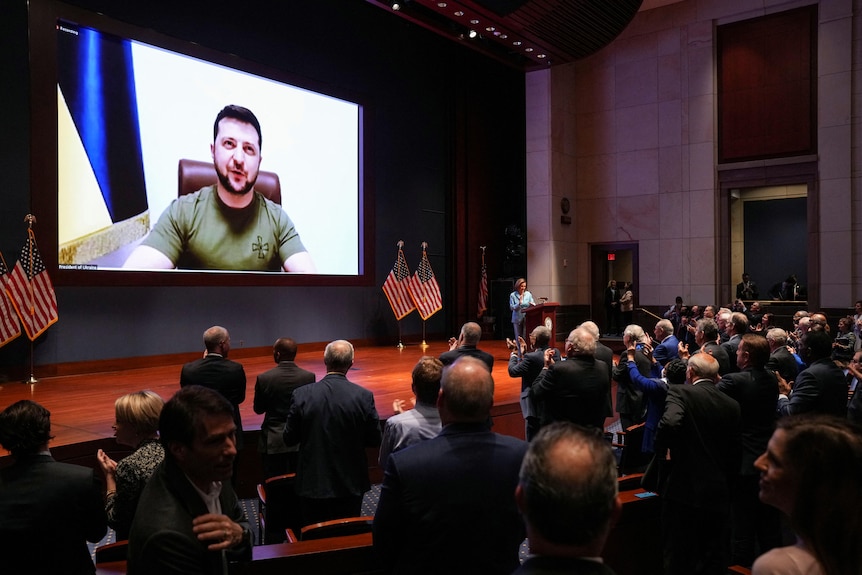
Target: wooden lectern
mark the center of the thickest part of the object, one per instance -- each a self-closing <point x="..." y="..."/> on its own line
<point x="542" y="314"/>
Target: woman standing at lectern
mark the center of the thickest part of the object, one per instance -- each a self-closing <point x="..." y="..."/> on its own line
<point x="520" y="300"/>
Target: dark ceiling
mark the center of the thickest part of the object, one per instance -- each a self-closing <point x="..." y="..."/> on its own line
<point x="526" y="34"/>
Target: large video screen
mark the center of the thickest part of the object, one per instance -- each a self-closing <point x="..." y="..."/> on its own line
<point x="149" y="183"/>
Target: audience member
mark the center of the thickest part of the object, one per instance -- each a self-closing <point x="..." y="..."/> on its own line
<point x="466" y="344"/>
<point x="136" y="425"/>
<point x="821" y="387"/>
<point x="568" y="497"/>
<point x="215" y="371"/>
<point x="604" y="354"/>
<point x="706" y="336"/>
<point x="674" y="312"/>
<point x="755" y="315"/>
<point x="447" y="503"/>
<point x="48" y="510"/>
<point x="334" y="421"/>
<point x="423" y="421"/>
<point x="747" y="289"/>
<point x="612" y="308"/>
<point x="812" y="470"/>
<point x="854" y="404"/>
<point x="630" y="400"/>
<point x="273" y="393"/>
<point x="189" y="519"/>
<point x="755" y="389"/>
<point x="627" y="304"/>
<point x="527" y="366"/>
<point x="574" y="390"/>
<point x="700" y="431"/>
<point x="668" y="344"/>
<point x="857" y="323"/>
<point x="780" y="358"/>
<point x="845" y="342"/>
<point x="655" y="391"/>
<point x="736" y="328"/>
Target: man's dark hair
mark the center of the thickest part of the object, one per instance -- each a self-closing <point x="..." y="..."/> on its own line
<point x="285" y="347"/>
<point x="674" y="371"/>
<point x="709" y="329"/>
<point x="243" y="115"/>
<point x="183" y="415"/>
<point x="740" y="322"/>
<point x="568" y="506"/>
<point x="426" y="379"/>
<point x="818" y="345"/>
<point x="25" y="427"/>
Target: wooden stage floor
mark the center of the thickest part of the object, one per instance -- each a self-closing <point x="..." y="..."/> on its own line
<point x="82" y="406"/>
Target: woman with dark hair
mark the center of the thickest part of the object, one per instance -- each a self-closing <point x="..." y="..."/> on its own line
<point x="519" y="301"/>
<point x="812" y="471"/>
<point x="136" y="425"/>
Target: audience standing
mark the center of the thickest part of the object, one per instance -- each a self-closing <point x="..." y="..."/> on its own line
<point x="630" y="400"/>
<point x="422" y="422"/>
<point x="780" y="358"/>
<point x="574" y="390"/>
<point x="466" y="344"/>
<point x="447" y="504"/>
<point x="668" y="344"/>
<point x="136" y="425"/>
<point x="189" y="519"/>
<point x="568" y="496"/>
<point x="48" y="510"/>
<point x="273" y="393"/>
<point x="527" y="366"/>
<point x="334" y="421"/>
<point x="700" y="430"/>
<point x="755" y="525"/>
<point x="812" y="470"/>
<point x="821" y="387"/>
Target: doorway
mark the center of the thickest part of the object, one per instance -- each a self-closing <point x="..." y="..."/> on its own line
<point x="611" y="261"/>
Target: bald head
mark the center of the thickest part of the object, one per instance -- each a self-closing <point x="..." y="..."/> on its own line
<point x="471" y="333"/>
<point x="466" y="391"/>
<point x="702" y="366"/>
<point x="216" y="339"/>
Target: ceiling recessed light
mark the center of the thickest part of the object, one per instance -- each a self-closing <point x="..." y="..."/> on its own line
<point x="541" y="56"/>
<point x="490" y="29"/>
<point x="441" y="4"/>
<point x="459" y="13"/>
<point x="472" y="34"/>
<point x="516" y="43"/>
<point x="474" y="21"/>
<point x="528" y="49"/>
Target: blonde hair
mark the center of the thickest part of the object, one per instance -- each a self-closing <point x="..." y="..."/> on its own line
<point x="141" y="410"/>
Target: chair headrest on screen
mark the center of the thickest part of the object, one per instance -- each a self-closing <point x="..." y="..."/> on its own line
<point x="194" y="175"/>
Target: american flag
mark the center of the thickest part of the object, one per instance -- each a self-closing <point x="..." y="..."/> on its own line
<point x="424" y="289"/>
<point x="31" y="292"/>
<point x="397" y="287"/>
<point x="10" y="328"/>
<point x="483" y="291"/>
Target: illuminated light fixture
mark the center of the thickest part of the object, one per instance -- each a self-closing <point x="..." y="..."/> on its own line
<point x="441" y="4"/>
<point x="459" y="13"/>
<point x="516" y="43"/>
<point x="528" y="49"/>
<point x="541" y="56"/>
<point x="396" y="6"/>
<point x="472" y="34"/>
<point x="474" y="21"/>
<point x="490" y="29"/>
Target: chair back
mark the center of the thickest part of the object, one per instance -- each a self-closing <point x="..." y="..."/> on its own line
<point x="194" y="175"/>
<point x="111" y="552"/>
<point x="278" y="507"/>
<point x="337" y="528"/>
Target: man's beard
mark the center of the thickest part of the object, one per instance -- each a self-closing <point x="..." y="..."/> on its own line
<point x="228" y="185"/>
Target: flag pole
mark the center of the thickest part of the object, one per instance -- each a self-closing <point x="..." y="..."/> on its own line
<point x="30" y="219"/>
<point x="400" y="344"/>
<point x="424" y="345"/>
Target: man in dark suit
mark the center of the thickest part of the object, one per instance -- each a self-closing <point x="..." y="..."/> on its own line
<point x="333" y="421"/>
<point x="706" y="336"/>
<point x="631" y="403"/>
<point x="612" y="308"/>
<point x="217" y="372"/>
<point x="466" y="344"/>
<point x="822" y="387"/>
<point x="736" y="328"/>
<point x="756" y="526"/>
<point x="780" y="358"/>
<point x="574" y="390"/>
<point x="747" y="289"/>
<point x="527" y="367"/>
<point x="48" y="510"/>
<point x="447" y="504"/>
<point x="668" y="347"/>
<point x="189" y="519"/>
<point x="567" y="494"/>
<point x="273" y="392"/>
<point x="700" y="429"/>
<point x="605" y="355"/>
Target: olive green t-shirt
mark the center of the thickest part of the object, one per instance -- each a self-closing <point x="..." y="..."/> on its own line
<point x="198" y="231"/>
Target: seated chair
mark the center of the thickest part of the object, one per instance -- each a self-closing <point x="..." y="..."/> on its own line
<point x="194" y="175"/>
<point x="278" y="508"/>
<point x="632" y="459"/>
<point x="111" y="552"/>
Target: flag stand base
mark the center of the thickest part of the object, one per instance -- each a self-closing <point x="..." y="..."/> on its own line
<point x="31" y="380"/>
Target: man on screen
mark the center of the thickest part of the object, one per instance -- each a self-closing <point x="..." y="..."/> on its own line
<point x="227" y="226"/>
